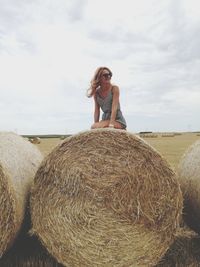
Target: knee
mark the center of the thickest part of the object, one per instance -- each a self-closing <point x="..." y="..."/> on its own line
<point x="105" y="125"/>
<point x="94" y="126"/>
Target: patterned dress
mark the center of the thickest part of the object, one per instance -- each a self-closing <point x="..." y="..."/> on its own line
<point x="106" y="106"/>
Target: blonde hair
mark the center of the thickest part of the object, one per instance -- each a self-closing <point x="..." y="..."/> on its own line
<point x="95" y="82"/>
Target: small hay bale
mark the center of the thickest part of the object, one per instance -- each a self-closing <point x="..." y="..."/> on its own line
<point x="148" y="135"/>
<point x="35" y="140"/>
<point x="177" y="133"/>
<point x="105" y="198"/>
<point x="189" y="177"/>
<point x="168" y="135"/>
<point x="19" y="161"/>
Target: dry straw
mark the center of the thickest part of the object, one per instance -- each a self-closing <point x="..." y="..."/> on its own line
<point x="105" y="198"/>
<point x="189" y="176"/>
<point x="19" y="161"/>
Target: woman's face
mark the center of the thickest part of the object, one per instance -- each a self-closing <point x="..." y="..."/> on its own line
<point x="105" y="77"/>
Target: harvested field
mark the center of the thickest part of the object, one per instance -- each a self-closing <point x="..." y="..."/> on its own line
<point x="47" y="144"/>
<point x="171" y="148"/>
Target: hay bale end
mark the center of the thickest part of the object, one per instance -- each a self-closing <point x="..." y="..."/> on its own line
<point x="19" y="161"/>
<point x="105" y="198"/>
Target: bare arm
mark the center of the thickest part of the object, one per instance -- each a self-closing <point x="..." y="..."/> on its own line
<point x="96" y="110"/>
<point x="114" y="104"/>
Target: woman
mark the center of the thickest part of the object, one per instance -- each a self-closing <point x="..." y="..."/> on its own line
<point x="106" y="97"/>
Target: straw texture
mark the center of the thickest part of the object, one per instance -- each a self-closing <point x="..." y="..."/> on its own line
<point x="19" y="161"/>
<point x="105" y="198"/>
<point x="189" y="176"/>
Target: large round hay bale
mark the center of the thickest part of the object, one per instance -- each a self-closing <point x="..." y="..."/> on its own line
<point x="105" y="198"/>
<point x="189" y="176"/>
<point x="19" y="161"/>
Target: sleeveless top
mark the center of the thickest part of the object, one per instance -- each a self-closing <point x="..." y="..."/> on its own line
<point x="106" y="106"/>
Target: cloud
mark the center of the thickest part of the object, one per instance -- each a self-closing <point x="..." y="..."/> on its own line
<point x="49" y="51"/>
<point x="76" y="11"/>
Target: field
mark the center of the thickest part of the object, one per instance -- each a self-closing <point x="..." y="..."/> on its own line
<point x="172" y="148"/>
<point x="27" y="251"/>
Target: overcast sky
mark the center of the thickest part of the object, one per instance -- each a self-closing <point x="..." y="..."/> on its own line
<point x="49" y="50"/>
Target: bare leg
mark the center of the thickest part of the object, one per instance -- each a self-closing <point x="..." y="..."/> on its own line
<point x="105" y="124"/>
<point x="100" y="124"/>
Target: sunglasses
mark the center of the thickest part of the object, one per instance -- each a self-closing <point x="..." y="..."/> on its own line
<point x="107" y="75"/>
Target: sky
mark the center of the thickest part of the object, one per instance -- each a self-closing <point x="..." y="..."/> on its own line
<point x="50" y="49"/>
